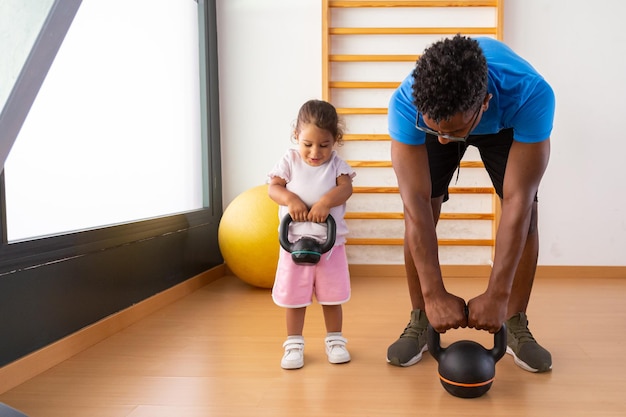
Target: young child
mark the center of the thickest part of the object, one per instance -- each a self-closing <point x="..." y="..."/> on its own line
<point x="310" y="183"/>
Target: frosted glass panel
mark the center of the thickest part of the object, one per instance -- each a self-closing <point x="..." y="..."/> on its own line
<point x="114" y="134"/>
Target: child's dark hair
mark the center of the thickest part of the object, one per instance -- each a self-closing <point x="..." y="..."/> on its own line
<point x="450" y="77"/>
<point x="321" y="114"/>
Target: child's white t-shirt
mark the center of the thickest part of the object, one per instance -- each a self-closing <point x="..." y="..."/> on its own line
<point x="310" y="184"/>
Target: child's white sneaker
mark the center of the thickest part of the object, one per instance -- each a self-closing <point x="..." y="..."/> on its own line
<point x="294" y="353"/>
<point x="336" y="349"/>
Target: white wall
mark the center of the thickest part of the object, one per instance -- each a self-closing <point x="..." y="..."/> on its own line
<point x="578" y="46"/>
<point x="270" y="63"/>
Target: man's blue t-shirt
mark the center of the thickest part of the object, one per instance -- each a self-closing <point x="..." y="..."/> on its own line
<point x="521" y="99"/>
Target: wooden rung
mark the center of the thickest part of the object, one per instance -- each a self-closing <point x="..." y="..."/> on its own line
<point x="365" y="137"/>
<point x="400" y="216"/>
<point x="472" y="164"/>
<point x="400" y="242"/>
<point x="363" y="84"/>
<point x="412" y="3"/>
<point x="375" y="190"/>
<point x="369" y="164"/>
<point x="414" y="31"/>
<point x="355" y="110"/>
<point x="387" y="164"/>
<point x="451" y="190"/>
<point x="373" y="58"/>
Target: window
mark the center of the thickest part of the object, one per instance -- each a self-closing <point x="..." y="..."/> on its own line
<point x="54" y="285"/>
<point x="114" y="134"/>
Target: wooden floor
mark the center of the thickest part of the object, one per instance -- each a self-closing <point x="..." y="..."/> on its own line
<point x="217" y="353"/>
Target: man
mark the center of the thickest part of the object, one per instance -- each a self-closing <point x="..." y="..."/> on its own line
<point x="471" y="92"/>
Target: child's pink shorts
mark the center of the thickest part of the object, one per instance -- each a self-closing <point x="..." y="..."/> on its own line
<point x="329" y="279"/>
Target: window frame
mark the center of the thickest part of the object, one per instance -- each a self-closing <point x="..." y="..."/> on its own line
<point x="30" y="253"/>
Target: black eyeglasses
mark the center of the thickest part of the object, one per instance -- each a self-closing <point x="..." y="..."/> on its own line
<point x="445" y="135"/>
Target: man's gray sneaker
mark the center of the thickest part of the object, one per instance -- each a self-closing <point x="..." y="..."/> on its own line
<point x="408" y="349"/>
<point x="528" y="354"/>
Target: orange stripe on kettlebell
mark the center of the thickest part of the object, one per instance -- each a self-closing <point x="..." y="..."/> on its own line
<point x="465" y="385"/>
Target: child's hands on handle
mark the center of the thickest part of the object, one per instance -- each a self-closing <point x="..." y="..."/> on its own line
<point x="318" y="213"/>
<point x="298" y="210"/>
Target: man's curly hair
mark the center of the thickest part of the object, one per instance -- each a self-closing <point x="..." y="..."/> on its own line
<point x="450" y="77"/>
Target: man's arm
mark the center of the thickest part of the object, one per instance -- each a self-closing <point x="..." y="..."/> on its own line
<point x="410" y="163"/>
<point x="526" y="165"/>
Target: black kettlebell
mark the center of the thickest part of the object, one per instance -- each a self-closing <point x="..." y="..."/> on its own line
<point x="306" y="250"/>
<point x="466" y="368"/>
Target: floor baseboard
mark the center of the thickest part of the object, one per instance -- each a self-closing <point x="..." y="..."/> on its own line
<point x="21" y="370"/>
<point x="483" y="271"/>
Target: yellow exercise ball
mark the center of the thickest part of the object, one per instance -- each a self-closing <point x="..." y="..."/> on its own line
<point x="248" y="237"/>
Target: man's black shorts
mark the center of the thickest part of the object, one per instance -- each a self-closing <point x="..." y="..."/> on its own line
<point x="445" y="159"/>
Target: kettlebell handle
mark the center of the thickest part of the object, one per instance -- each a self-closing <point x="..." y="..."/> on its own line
<point x="499" y="343"/>
<point x="331" y="234"/>
<point x="497" y="352"/>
